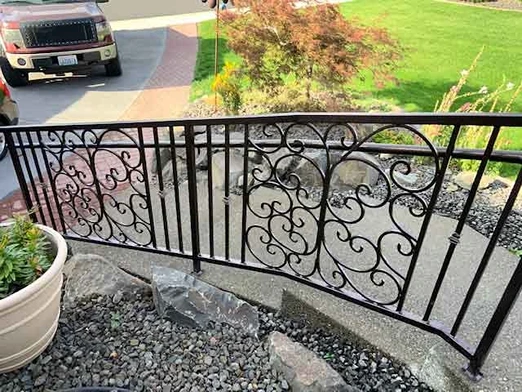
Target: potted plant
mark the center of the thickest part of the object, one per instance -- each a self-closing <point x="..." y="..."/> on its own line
<point x="31" y="261"/>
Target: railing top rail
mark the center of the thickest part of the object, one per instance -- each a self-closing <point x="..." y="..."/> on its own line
<point x="487" y="119"/>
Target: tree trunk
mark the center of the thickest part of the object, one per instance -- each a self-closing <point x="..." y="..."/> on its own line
<point x="309" y="80"/>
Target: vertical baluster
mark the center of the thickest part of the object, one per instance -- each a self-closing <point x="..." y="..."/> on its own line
<point x="227" y="192"/>
<point x="174" y="162"/>
<point x="210" y="193"/>
<point x="147" y="187"/>
<point x="245" y="195"/>
<point x="455" y="237"/>
<point x="161" y="188"/>
<point x="429" y="213"/>
<point x="193" y="198"/>
<point x="31" y="179"/>
<point x="509" y="298"/>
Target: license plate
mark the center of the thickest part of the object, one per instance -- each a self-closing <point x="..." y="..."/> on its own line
<point x="67" y="60"/>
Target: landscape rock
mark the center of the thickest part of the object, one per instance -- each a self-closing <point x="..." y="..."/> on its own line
<point x="93" y="274"/>
<point x="220" y="138"/>
<point x="302" y="369"/>
<point x="465" y="180"/>
<point x="450" y="188"/>
<point x="218" y="169"/>
<point x="255" y="161"/>
<point x="357" y="170"/>
<point x="310" y="167"/>
<point x="164" y="158"/>
<point x="182" y="298"/>
<point x="198" y="130"/>
<point x="168" y="172"/>
<point x="283" y="160"/>
<point x="364" y="130"/>
<point x="405" y="180"/>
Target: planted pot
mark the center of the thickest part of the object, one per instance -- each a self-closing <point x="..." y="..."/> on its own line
<point x="29" y="317"/>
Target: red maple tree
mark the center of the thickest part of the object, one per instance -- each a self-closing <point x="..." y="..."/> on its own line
<point x="312" y="45"/>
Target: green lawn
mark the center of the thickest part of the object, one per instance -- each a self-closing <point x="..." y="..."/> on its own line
<point x="204" y="73"/>
<point x="440" y="39"/>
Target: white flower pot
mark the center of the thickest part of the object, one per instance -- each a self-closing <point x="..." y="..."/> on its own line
<point x="29" y="317"/>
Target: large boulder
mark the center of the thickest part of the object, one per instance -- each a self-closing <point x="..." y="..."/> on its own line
<point x="357" y="168"/>
<point x="163" y="158"/>
<point x="310" y="166"/>
<point x="219" y="165"/>
<point x="406" y="180"/>
<point x="183" y="298"/>
<point x="465" y="180"/>
<point x="283" y="160"/>
<point x="363" y="130"/>
<point x="236" y="159"/>
<point x="304" y="371"/>
<point x="92" y="274"/>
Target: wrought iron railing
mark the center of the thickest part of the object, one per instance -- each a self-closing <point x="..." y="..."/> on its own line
<point x="307" y="196"/>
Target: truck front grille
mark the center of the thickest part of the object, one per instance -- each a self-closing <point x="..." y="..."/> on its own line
<point x="59" y="33"/>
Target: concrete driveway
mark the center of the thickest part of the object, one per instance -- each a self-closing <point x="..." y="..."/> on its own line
<point x="93" y="98"/>
<point x="140" y="29"/>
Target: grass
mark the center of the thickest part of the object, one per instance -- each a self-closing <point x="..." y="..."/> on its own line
<point x="204" y="73"/>
<point x="440" y="39"/>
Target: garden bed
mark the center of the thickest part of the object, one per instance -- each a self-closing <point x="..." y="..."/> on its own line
<point x="104" y="341"/>
<point x="484" y="213"/>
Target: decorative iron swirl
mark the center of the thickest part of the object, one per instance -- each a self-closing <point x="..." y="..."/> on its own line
<point x="298" y="228"/>
<point x="98" y="185"/>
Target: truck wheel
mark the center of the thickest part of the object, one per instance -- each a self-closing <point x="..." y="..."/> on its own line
<point x="113" y="68"/>
<point x="14" y="77"/>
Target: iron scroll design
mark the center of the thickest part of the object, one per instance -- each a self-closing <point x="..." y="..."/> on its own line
<point x="100" y="189"/>
<point x="310" y="232"/>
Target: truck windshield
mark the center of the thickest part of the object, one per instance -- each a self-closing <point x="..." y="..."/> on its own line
<point x="38" y="2"/>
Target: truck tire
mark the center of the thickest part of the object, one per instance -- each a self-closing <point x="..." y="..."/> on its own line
<point x="113" y="68"/>
<point x="14" y="77"/>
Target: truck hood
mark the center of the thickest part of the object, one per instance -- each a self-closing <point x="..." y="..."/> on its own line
<point x="60" y="11"/>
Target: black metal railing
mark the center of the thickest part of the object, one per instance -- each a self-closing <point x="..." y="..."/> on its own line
<point x="305" y="196"/>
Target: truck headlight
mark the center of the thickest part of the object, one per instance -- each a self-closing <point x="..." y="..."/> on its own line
<point x="13" y="39"/>
<point x="104" y="31"/>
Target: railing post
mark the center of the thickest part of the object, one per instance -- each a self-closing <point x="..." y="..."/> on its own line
<point x="20" y="174"/>
<point x="193" y="198"/>
<point x="504" y="307"/>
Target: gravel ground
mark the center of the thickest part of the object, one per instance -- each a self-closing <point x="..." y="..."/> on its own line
<point x="125" y="344"/>
<point x="485" y="210"/>
<point x="484" y="213"/>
